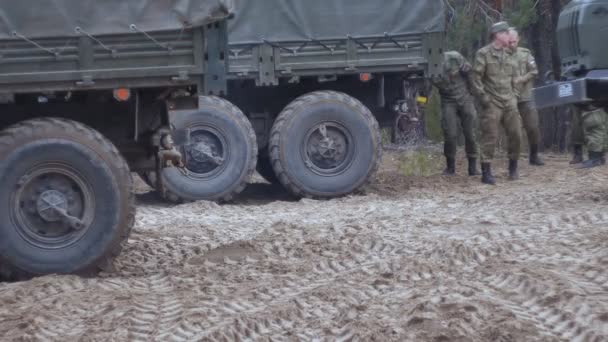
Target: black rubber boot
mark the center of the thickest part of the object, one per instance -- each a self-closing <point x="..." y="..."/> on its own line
<point x="595" y="159"/>
<point x="513" y="174"/>
<point x="473" y="167"/>
<point x="486" y="174"/>
<point x="577" y="158"/>
<point x="450" y="169"/>
<point x="534" y="158"/>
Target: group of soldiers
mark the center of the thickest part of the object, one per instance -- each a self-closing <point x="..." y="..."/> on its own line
<point x="501" y="80"/>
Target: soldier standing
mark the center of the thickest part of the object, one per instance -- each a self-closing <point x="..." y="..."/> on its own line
<point x="577" y="136"/>
<point x="527" y="71"/>
<point x="493" y="80"/>
<point x="458" y="110"/>
<point x="590" y="126"/>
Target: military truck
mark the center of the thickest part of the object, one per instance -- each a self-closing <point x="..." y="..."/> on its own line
<point x="582" y="39"/>
<point x="316" y="78"/>
<point x="92" y="91"/>
<point x="89" y="92"/>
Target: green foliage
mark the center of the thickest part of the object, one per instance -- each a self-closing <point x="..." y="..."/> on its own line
<point x="464" y="32"/>
<point x="522" y="15"/>
<point x="420" y="163"/>
<point x="468" y="30"/>
<point x="433" y="118"/>
<point x="385" y="136"/>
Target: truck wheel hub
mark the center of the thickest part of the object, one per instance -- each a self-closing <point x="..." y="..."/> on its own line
<point x="328" y="148"/>
<point x="48" y="204"/>
<point x="52" y="206"/>
<point x="205" y="156"/>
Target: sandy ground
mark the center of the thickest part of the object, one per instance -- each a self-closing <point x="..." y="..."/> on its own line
<point x="412" y="259"/>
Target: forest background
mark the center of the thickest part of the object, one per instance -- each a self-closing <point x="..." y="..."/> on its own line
<point x="468" y="25"/>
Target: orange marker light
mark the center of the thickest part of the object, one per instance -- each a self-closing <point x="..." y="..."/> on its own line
<point x="365" y="77"/>
<point x="122" y="94"/>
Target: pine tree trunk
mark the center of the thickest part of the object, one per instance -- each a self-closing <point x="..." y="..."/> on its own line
<point x="554" y="122"/>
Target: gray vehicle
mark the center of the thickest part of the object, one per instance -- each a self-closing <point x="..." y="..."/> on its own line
<point x="316" y="78"/>
<point x="583" y="48"/>
<point x="89" y="92"/>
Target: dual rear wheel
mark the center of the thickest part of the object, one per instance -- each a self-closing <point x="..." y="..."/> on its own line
<point x="67" y="204"/>
<point x="323" y="145"/>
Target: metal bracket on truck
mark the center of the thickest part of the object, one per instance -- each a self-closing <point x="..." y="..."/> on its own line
<point x="216" y="61"/>
<point x="433" y="45"/>
<point x="591" y="88"/>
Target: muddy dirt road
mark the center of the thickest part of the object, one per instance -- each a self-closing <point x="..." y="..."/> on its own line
<point x="428" y="259"/>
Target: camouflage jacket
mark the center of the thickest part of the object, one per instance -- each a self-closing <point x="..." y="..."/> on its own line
<point x="526" y="72"/>
<point x="454" y="82"/>
<point x="494" y="75"/>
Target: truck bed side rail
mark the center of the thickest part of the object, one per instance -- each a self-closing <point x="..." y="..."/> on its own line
<point x="268" y="62"/>
<point x="87" y="62"/>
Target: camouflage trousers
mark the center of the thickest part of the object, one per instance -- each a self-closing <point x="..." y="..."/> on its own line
<point x="577" y="136"/>
<point x="590" y="129"/>
<point x="492" y="117"/>
<point x="529" y="116"/>
<point x="455" y="116"/>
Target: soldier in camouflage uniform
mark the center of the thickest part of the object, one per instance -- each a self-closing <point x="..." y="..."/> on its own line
<point x="577" y="136"/>
<point x="494" y="75"/>
<point x="527" y="70"/>
<point x="458" y="110"/>
<point x="590" y="125"/>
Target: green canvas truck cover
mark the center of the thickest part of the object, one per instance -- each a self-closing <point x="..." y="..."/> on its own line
<point x="61" y="18"/>
<point x="301" y="20"/>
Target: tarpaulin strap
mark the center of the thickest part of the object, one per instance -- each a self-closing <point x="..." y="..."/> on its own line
<point x="394" y="41"/>
<point x="322" y="44"/>
<point x="368" y="48"/>
<point x="81" y="31"/>
<point x="293" y="51"/>
<point x="20" y="36"/>
<point x="164" y="46"/>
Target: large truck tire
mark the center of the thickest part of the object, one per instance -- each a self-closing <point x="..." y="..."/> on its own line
<point x="325" y="144"/>
<point x="220" y="157"/>
<point x="66" y="204"/>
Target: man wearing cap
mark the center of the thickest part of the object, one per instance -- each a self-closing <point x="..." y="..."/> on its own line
<point x="457" y="110"/>
<point x="527" y="71"/>
<point x="494" y="76"/>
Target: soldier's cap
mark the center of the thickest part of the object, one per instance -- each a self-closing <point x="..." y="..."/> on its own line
<point x="500" y="26"/>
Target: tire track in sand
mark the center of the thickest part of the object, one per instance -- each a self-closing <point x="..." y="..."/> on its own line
<point x="156" y="309"/>
<point x="557" y="312"/>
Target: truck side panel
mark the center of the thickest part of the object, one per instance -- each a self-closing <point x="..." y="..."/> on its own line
<point x="266" y="63"/>
<point x="135" y="60"/>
